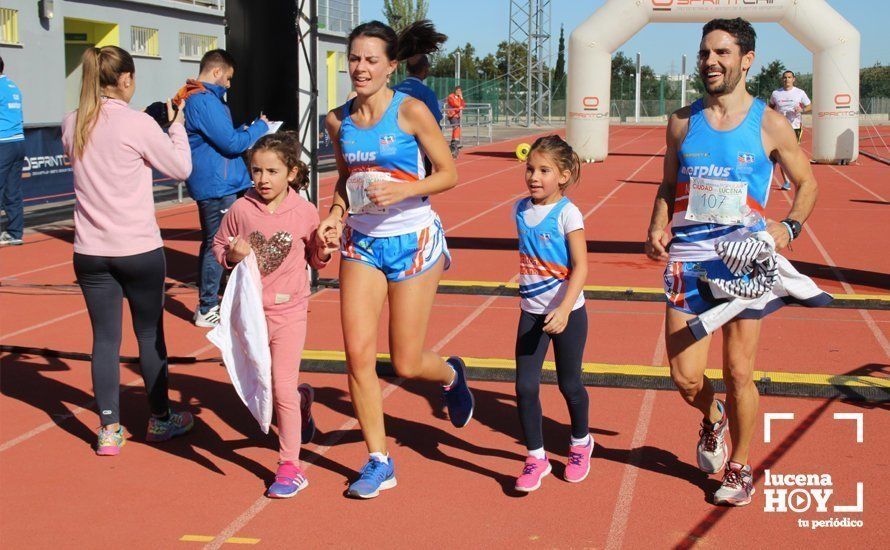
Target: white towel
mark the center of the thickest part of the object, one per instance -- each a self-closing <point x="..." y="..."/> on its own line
<point x="784" y="285"/>
<point x="243" y="338"/>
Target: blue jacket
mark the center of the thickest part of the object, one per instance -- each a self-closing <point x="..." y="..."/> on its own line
<point x="415" y="87"/>
<point x="218" y="167"/>
<point x="10" y="111"/>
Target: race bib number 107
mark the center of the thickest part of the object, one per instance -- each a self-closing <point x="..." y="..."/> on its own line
<point x="717" y="201"/>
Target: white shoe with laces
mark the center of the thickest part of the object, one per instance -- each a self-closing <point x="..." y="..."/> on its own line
<point x="209" y="319"/>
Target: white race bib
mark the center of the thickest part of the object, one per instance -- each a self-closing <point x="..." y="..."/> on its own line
<point x="357" y="192"/>
<point x="717" y="201"/>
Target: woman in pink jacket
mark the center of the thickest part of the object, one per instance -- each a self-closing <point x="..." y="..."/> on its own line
<point x="280" y="227"/>
<point x="117" y="243"/>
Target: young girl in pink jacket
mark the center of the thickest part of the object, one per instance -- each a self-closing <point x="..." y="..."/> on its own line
<point x="280" y="227"/>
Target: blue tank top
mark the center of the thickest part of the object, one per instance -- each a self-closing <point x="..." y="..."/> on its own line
<point x="544" y="259"/>
<point x="385" y="147"/>
<point x="735" y="155"/>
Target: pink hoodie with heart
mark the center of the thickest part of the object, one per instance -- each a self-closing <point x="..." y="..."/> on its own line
<point x="283" y="241"/>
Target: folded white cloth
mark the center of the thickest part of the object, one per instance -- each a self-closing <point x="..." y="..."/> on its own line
<point x="243" y="338"/>
<point x="774" y="283"/>
<point x="755" y="257"/>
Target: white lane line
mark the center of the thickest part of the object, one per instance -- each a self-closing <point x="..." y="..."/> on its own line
<point x="76" y="411"/>
<point x="260" y="503"/>
<point x="866" y="316"/>
<point x="622" y="184"/>
<point x="624" y="502"/>
<point x="4" y="337"/>
<point x="60" y="264"/>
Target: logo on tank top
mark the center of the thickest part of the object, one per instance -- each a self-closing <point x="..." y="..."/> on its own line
<point x="360" y="156"/>
<point x="706" y="171"/>
<point x="745" y="163"/>
<point x="388" y="145"/>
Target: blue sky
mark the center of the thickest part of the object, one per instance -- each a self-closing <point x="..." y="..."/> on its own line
<point x="483" y="23"/>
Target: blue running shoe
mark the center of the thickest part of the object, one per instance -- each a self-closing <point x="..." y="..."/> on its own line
<point x="459" y="398"/>
<point x="375" y="476"/>
<point x="289" y="480"/>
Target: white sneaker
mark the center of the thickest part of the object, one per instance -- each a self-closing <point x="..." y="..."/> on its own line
<point x="209" y="319"/>
<point x="737" y="486"/>
<point x="712" y="450"/>
<point x="8" y="240"/>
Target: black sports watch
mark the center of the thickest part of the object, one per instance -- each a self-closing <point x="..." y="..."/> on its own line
<point x="795" y="227"/>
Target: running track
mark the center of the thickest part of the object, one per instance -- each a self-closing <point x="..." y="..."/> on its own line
<point x="454" y="486"/>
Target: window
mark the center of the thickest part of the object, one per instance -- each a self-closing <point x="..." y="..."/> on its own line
<point x="339" y="16"/>
<point x="9" y="26"/>
<point x="194" y="46"/>
<point x="144" y="41"/>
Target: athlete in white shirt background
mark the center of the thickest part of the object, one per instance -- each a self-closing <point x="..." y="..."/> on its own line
<point x="791" y="102"/>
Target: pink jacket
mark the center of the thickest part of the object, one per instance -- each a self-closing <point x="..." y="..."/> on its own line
<point x="114" y="211"/>
<point x="283" y="241"/>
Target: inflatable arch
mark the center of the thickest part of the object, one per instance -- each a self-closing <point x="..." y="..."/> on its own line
<point x="833" y="41"/>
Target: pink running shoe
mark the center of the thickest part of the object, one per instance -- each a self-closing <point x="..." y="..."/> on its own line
<point x="532" y="473"/>
<point x="579" y="462"/>
<point x="289" y="480"/>
<point x="110" y="442"/>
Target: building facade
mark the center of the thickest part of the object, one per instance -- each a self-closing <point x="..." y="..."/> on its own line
<point x="41" y="44"/>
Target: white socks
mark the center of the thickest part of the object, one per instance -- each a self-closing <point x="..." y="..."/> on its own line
<point x="537" y="453"/>
<point x="540" y="455"/>
<point x="380" y="457"/>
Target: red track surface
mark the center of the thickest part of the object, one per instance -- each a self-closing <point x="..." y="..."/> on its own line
<point x="454" y="485"/>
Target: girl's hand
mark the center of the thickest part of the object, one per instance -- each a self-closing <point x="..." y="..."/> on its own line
<point x="329" y="231"/>
<point x="556" y="321"/>
<point x="326" y="245"/>
<point x="386" y="193"/>
<point x="237" y="249"/>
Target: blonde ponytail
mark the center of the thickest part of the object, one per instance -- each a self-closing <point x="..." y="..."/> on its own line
<point x="102" y="67"/>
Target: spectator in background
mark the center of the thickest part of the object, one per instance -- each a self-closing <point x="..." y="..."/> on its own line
<point x="418" y="69"/>
<point x="219" y="175"/>
<point x="12" y="159"/>
<point x="455" y="106"/>
<point x="791" y="102"/>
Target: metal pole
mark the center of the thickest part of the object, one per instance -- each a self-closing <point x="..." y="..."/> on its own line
<point x="509" y="63"/>
<point x="637" y="92"/>
<point x="457" y="69"/>
<point x="683" y="82"/>
<point x="528" y="70"/>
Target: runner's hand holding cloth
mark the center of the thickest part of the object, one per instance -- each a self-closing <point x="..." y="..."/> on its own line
<point x="765" y="282"/>
<point x="243" y="338"/>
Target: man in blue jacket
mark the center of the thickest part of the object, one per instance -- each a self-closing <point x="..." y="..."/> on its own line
<point x="418" y="69"/>
<point x="219" y="174"/>
<point x="12" y="158"/>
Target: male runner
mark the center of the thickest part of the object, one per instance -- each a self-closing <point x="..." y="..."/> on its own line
<point x="728" y="137"/>
<point x="790" y="102"/>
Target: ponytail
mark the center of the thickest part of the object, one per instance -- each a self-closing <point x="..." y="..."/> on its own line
<point x="418" y="38"/>
<point x="102" y="67"/>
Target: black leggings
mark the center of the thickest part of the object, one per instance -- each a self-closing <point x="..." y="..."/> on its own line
<point x="104" y="282"/>
<point x="568" y="347"/>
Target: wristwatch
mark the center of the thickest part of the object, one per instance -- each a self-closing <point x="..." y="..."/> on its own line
<point x="794" y="227"/>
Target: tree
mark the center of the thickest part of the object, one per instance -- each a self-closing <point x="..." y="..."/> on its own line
<point x="874" y="82"/>
<point x="768" y="79"/>
<point x="487" y="68"/>
<point x="559" y="72"/>
<point x="401" y="13"/>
